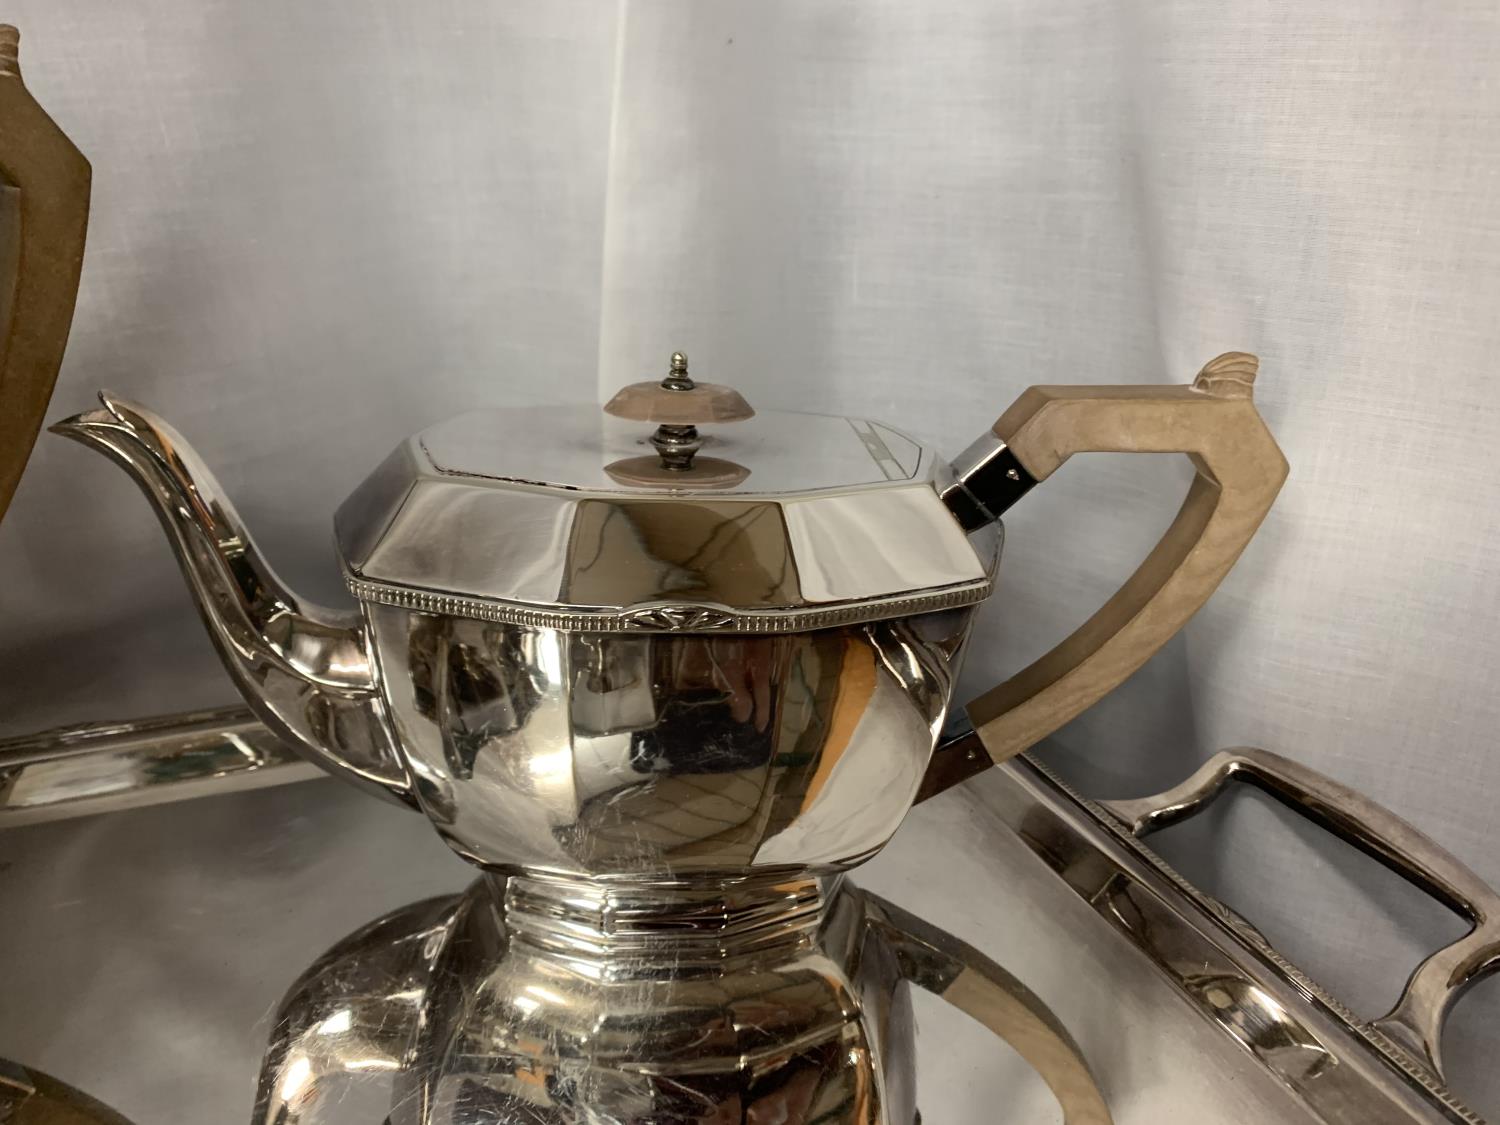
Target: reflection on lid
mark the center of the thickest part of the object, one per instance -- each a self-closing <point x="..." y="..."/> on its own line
<point x="649" y="472"/>
<point x="734" y="554"/>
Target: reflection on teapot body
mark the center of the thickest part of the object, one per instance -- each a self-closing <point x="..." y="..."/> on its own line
<point x="648" y="739"/>
<point x="625" y="686"/>
<point x="657" y="754"/>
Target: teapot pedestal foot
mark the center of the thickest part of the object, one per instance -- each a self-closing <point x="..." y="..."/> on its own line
<point x="551" y="1001"/>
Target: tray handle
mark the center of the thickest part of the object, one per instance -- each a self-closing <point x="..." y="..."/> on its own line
<point x="1416" y="1022"/>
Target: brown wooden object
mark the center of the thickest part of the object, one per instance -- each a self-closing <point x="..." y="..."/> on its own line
<point x="44" y="207"/>
<point x="1240" y="469"/>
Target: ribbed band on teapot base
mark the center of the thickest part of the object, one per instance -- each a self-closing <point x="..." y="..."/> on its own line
<point x="618" y="928"/>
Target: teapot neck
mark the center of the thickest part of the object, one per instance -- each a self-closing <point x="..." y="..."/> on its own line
<point x="614" y="926"/>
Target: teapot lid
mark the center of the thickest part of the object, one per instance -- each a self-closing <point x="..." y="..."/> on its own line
<point x="565" y="517"/>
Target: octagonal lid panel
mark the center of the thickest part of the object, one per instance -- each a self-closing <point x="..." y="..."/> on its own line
<point x="530" y="515"/>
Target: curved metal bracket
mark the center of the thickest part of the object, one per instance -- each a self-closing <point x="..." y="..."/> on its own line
<point x="1416" y="1022"/>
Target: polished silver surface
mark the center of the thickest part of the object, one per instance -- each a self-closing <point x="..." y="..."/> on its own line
<point x="678" y="444"/>
<point x="661" y="789"/>
<point x="1415" y="1024"/>
<point x="650" y="755"/>
<point x="599" y="928"/>
<point x="672" y="750"/>
<point x="557" y="1001"/>
<point x="545" y="1002"/>
<point x="664" y="722"/>
<point x="105" y="767"/>
<point x="767" y="999"/>
<point x="305" y="670"/>
<point x="158" y="992"/>
<point x="131" y="763"/>
<point x="1341" y="1069"/>
<point x="987" y="480"/>
<point x="512" y="515"/>
<point x="568" y="447"/>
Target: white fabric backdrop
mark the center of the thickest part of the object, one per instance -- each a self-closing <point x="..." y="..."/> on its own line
<point x="318" y="227"/>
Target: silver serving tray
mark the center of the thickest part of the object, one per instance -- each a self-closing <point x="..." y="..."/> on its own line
<point x="143" y="952"/>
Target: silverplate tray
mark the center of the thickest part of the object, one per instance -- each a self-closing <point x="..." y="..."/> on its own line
<point x="144" y="952"/>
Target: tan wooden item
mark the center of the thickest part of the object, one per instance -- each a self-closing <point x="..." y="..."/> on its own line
<point x="702" y="404"/>
<point x="29" y="1097"/>
<point x="44" y="207"/>
<point x="649" y="472"/>
<point x="679" y="400"/>
<point x="1240" y="471"/>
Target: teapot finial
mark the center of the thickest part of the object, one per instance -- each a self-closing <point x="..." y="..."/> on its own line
<point x="677" y="445"/>
<point x="678" y="405"/>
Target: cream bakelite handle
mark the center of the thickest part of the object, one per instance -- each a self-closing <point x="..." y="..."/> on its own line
<point x="1240" y="469"/>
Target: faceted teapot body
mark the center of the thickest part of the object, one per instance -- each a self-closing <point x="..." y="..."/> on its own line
<point x="596" y="679"/>
<point x="665" y="754"/>
<point x="594" y="671"/>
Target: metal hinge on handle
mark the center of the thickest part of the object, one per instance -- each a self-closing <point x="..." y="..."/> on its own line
<point x="1415" y="1024"/>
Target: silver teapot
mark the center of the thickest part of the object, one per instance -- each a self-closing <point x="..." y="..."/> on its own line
<point x="664" y="687"/>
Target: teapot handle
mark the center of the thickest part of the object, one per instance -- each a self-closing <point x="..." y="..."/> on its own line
<point x="1240" y="469"/>
<point x="44" y="210"/>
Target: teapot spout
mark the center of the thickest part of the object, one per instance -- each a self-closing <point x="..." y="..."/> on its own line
<point x="305" y="670"/>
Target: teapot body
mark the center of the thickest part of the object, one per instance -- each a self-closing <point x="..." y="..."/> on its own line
<point x="639" y="755"/>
